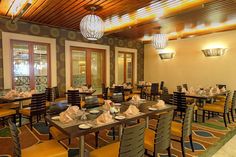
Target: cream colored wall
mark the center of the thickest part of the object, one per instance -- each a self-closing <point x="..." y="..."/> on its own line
<point x="190" y="66"/>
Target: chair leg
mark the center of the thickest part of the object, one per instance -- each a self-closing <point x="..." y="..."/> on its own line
<point x="169" y="152"/>
<point x="196" y="116"/>
<point x="208" y="115"/>
<point x="203" y="116"/>
<point x="113" y="133"/>
<point x="224" y="115"/>
<point x="191" y="142"/>
<point x="182" y="147"/>
<point x="31" y="122"/>
<point x="228" y="117"/>
<point x="96" y="139"/>
<point x="14" y="118"/>
<point x="232" y="114"/>
<point x="20" y="116"/>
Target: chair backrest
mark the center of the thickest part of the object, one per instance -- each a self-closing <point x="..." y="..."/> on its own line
<point x="185" y="86"/>
<point x="154" y="88"/>
<point x="165" y="96"/>
<point x="50" y="94"/>
<point x="38" y="104"/>
<point x="179" y="99"/>
<point x="117" y="97"/>
<point x="233" y="103"/>
<point x="179" y="88"/>
<point x="56" y="92"/>
<point x="91" y="101"/>
<point x="163" y="131"/>
<point x="118" y="89"/>
<point x="132" y="141"/>
<point x="73" y="97"/>
<point x="161" y="85"/>
<point x="104" y="91"/>
<point x="227" y="99"/>
<point x="15" y="138"/>
<point x="187" y="121"/>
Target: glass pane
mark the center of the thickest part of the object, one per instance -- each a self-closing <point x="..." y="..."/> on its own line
<point x="121" y="68"/>
<point x="40" y="67"/>
<point x="96" y="70"/>
<point x="78" y="68"/>
<point x="129" y="68"/>
<point x="21" y="66"/>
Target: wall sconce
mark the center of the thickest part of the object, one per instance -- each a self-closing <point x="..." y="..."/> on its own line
<point x="214" y="52"/>
<point x="166" y="54"/>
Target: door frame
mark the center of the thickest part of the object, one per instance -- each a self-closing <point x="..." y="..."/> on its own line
<point x="69" y="43"/>
<point x="128" y="50"/>
<point x="7" y="55"/>
<point x="88" y="52"/>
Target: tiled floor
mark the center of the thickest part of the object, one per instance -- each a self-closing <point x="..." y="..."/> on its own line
<point x="228" y="150"/>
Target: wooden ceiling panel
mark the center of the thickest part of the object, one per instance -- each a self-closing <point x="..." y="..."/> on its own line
<point x="68" y="14"/>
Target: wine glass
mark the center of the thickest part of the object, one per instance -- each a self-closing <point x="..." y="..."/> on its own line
<point x="83" y="117"/>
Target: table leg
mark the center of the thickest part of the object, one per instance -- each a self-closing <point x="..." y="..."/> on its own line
<point x="21" y="104"/>
<point x="81" y="140"/>
<point x="147" y="122"/>
<point x="120" y="131"/>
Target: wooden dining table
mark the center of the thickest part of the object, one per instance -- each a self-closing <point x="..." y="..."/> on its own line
<point x="14" y="99"/>
<point x="72" y="130"/>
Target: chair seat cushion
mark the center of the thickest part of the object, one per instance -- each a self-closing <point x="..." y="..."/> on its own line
<point x="214" y="108"/>
<point x="6" y="112"/>
<point x="149" y="139"/>
<point x="25" y="111"/>
<point x="111" y="150"/>
<point x="45" y="149"/>
<point x="57" y="134"/>
<point x="176" y="129"/>
<point x="60" y="99"/>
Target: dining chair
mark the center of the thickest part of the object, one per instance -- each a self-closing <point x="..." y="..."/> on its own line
<point x="218" y="108"/>
<point x="50" y="94"/>
<point x="221" y="86"/>
<point x="161" y="85"/>
<point x="36" y="108"/>
<point x="153" y="92"/>
<point x="73" y="98"/>
<point x="130" y="145"/>
<point x="6" y="113"/>
<point x="43" y="149"/>
<point x="179" y="100"/>
<point x="185" y="86"/>
<point x="91" y="102"/>
<point x="104" y="92"/>
<point x="159" y="139"/>
<point x="119" y="89"/>
<point x="233" y="106"/>
<point x="179" y="88"/>
<point x="117" y="97"/>
<point x="184" y="129"/>
<point x="166" y="97"/>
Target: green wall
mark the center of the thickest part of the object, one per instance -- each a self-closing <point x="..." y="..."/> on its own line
<point x="61" y="35"/>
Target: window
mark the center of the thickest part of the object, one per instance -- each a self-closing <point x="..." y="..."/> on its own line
<point x="88" y="67"/>
<point x="125" y="67"/>
<point x="30" y="65"/>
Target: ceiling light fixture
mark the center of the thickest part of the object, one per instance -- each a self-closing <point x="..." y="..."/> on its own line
<point x="159" y="41"/>
<point x="214" y="52"/>
<point x="92" y="26"/>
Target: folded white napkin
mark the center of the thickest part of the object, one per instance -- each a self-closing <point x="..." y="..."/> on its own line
<point x="223" y="89"/>
<point x="65" y="118"/>
<point x="184" y="90"/>
<point x="106" y="117"/>
<point x="132" y="111"/>
<point x="160" y="104"/>
<point x="11" y="94"/>
<point x="136" y="98"/>
<point x="107" y="105"/>
<point x="84" y="88"/>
